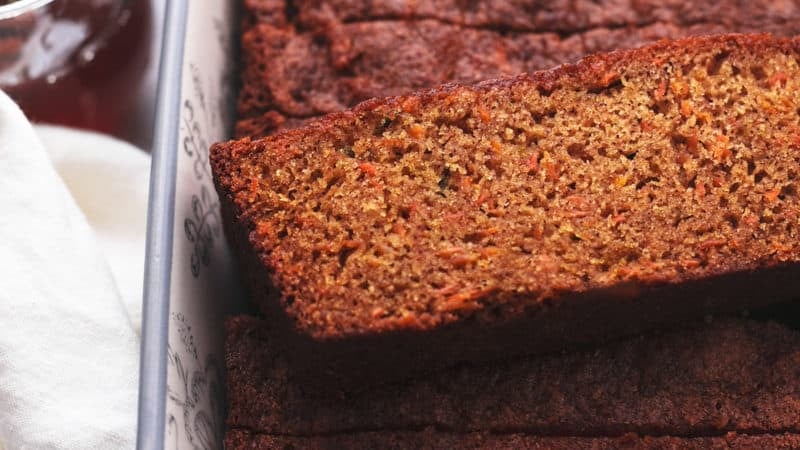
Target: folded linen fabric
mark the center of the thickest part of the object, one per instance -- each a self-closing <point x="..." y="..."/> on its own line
<point x="71" y="257"/>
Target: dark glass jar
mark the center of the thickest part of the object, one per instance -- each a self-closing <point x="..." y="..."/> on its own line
<point x="78" y="63"/>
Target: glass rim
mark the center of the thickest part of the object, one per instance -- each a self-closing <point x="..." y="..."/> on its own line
<point x="19" y="7"/>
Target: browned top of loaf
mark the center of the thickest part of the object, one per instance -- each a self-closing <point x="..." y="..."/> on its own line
<point x="662" y="164"/>
<point x="301" y="59"/>
<point x="561" y="16"/>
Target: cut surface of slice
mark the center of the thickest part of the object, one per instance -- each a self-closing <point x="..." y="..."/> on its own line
<point x="632" y="188"/>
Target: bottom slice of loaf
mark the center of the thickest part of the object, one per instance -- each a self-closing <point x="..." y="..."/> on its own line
<point x="239" y="439"/>
<point x="730" y="376"/>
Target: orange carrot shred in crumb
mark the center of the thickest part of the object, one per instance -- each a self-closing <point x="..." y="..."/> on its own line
<point x="551" y="169"/>
<point x="609" y="77"/>
<point x="351" y="244"/>
<point x="410" y="104"/>
<point x="690" y="264"/>
<point x="367" y="168"/>
<point x="533" y="163"/>
<point x="448" y="252"/>
<point x="751" y="220"/>
<point x="781" y="247"/>
<point x="416" y="131"/>
<point x="772" y="195"/>
<point x="722" y="153"/>
<point x="462" y="260"/>
<point x="778" y="77"/>
<point x="661" y="91"/>
<point x="679" y="87"/>
<point x="264" y="228"/>
<point x="686" y="108"/>
<point x="710" y="243"/>
<point x="456" y="301"/>
<point x="407" y="321"/>
<point x="484" y="114"/>
<point x="700" y="190"/>
<point x="482" y="198"/>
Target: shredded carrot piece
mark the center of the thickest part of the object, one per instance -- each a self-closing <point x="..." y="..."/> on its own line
<point x="778" y="77"/>
<point x="772" y="195"/>
<point x="690" y="264"/>
<point x="679" y="88"/>
<point x="686" y="108"/>
<point x="367" y="168"/>
<point x="399" y="229"/>
<point x="661" y="91"/>
<point x="410" y="104"/>
<point x="461" y="260"/>
<point x="264" y="229"/>
<point x="351" y="244"/>
<point x="551" y="169"/>
<point x="449" y="252"/>
<point x="484" y="114"/>
<point x="496" y="147"/>
<point x="459" y="300"/>
<point x="751" y="220"/>
<point x="416" y="131"/>
<point x="722" y="153"/>
<point x="533" y="163"/>
<point x="692" y="142"/>
<point x="700" y="190"/>
<point x="710" y="243"/>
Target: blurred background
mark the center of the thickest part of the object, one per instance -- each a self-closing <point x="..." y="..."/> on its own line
<point x="88" y="64"/>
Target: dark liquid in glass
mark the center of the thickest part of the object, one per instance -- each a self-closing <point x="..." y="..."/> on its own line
<point x="79" y="63"/>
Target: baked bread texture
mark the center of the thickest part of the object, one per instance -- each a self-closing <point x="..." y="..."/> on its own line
<point x="699" y="381"/>
<point x="302" y="59"/>
<point x="629" y="190"/>
<point x="432" y="440"/>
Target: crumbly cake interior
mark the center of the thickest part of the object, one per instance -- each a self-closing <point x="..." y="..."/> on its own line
<point x="415" y="212"/>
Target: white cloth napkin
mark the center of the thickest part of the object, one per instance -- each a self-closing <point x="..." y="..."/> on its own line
<point x="71" y="260"/>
